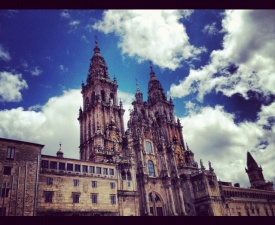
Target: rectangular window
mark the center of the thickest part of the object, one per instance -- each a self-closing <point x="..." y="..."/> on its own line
<point x="76" y="197"/>
<point x="76" y="182"/>
<point x="92" y="169"/>
<point x="53" y="165"/>
<point x="70" y="167"/>
<point x="48" y="196"/>
<point x="129" y="183"/>
<point x="10" y="153"/>
<point x="94" y="198"/>
<point x="61" y="166"/>
<point x="49" y="180"/>
<point x="7" y="170"/>
<point x="113" y="199"/>
<point x="239" y="214"/>
<point x="105" y="171"/>
<point x="111" y="172"/>
<point x="45" y="164"/>
<point x="77" y="168"/>
<point x="5" y="192"/>
<point x="94" y="184"/>
<point x="84" y="169"/>
<point x="112" y="185"/>
<point x="98" y="170"/>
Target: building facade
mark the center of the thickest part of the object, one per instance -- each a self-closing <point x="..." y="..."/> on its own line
<point x="144" y="170"/>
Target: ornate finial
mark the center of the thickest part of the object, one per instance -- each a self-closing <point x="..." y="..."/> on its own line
<point x="60" y="145"/>
<point x="202" y="167"/>
<point x="187" y="147"/>
<point x="96" y="42"/>
<point x="82" y="84"/>
<point x="114" y="78"/>
<point x="120" y="103"/>
<point x="137" y="88"/>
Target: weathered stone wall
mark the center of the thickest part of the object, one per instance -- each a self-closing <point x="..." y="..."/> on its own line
<point x="63" y="189"/>
<point x="21" y="183"/>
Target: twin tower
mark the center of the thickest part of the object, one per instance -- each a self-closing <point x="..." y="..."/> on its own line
<point x="151" y="152"/>
<point x="151" y="149"/>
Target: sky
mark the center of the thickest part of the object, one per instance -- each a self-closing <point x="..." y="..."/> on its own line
<point x="218" y="66"/>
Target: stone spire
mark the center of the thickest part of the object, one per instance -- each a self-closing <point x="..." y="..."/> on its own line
<point x="155" y="90"/>
<point x="251" y="163"/>
<point x="98" y="68"/>
<point x="139" y="95"/>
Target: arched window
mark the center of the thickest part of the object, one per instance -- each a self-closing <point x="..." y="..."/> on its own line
<point x="148" y="146"/>
<point x="151" y="169"/>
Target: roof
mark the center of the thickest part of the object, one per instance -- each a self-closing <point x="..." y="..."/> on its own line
<point x="21" y="142"/>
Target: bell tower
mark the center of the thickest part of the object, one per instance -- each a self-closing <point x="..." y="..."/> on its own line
<point x="255" y="175"/>
<point x="101" y="117"/>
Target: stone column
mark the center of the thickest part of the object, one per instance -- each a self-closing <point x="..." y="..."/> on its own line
<point x="181" y="200"/>
<point x="172" y="199"/>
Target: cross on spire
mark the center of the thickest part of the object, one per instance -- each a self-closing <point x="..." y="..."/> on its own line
<point x="96" y="42"/>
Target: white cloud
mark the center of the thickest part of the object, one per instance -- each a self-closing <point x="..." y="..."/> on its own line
<point x="65" y="14"/>
<point x="210" y="29"/>
<point x="10" y="87"/>
<point x="4" y="54"/>
<point x="249" y="45"/>
<point x="155" y="35"/>
<point x="213" y="136"/>
<point x="74" y="23"/>
<point x="36" y="71"/>
<point x="63" y="69"/>
<point x="55" y="121"/>
<point x="84" y="38"/>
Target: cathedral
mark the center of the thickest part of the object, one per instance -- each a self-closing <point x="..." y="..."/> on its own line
<point x="146" y="169"/>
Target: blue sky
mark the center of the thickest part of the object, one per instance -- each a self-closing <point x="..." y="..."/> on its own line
<point x="218" y="66"/>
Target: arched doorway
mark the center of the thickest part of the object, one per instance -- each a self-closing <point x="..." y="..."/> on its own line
<point x="155" y="204"/>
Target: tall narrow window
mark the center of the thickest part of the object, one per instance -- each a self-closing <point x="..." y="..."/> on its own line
<point x="61" y="166"/>
<point x="112" y="185"/>
<point x="69" y="167"/>
<point x="48" y="196"/>
<point x="92" y="169"/>
<point x="10" y="153"/>
<point x="105" y="171"/>
<point x="148" y="147"/>
<point x="76" y="197"/>
<point x="151" y="169"/>
<point x="94" y="184"/>
<point x="76" y="182"/>
<point x="77" y="168"/>
<point x="5" y="192"/>
<point x="111" y="171"/>
<point x="94" y="198"/>
<point x="113" y="199"/>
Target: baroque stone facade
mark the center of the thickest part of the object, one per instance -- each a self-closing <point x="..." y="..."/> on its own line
<point x="145" y="170"/>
